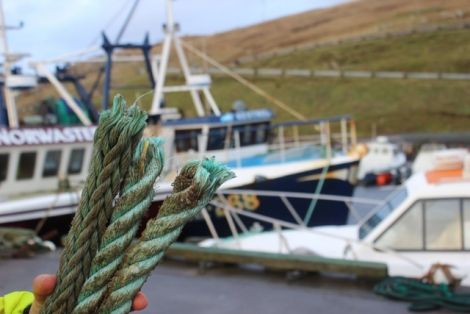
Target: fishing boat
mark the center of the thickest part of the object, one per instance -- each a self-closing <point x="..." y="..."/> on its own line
<point x="425" y="222"/>
<point x="42" y="169"/>
<point x="384" y="163"/>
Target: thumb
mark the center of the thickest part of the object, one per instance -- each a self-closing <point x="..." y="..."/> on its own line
<point x="43" y="286"/>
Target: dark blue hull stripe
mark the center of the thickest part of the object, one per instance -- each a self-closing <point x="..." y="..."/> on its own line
<point x="325" y="213"/>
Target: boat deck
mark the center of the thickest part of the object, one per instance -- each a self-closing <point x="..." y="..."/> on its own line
<point x="303" y="153"/>
<point x="177" y="287"/>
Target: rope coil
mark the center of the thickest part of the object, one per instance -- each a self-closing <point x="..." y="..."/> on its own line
<point x="424" y="296"/>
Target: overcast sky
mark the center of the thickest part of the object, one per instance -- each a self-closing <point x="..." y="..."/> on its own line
<point x="55" y="27"/>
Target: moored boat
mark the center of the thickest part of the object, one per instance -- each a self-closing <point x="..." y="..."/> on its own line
<point x="43" y="168"/>
<point x="384" y="163"/>
<point x="423" y="223"/>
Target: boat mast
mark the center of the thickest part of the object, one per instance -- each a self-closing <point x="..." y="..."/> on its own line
<point x="194" y="83"/>
<point x="7" y="93"/>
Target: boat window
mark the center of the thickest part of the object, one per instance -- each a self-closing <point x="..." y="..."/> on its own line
<point x="442" y="225"/>
<point x="246" y="138"/>
<point x="261" y="132"/>
<point x="76" y="161"/>
<point x="244" y="132"/>
<point x="251" y="134"/>
<point x="187" y="139"/>
<point x="216" y="138"/>
<point x="26" y="166"/>
<point x="395" y="199"/>
<point x="466" y="224"/>
<point x="4" y="159"/>
<point x="407" y="232"/>
<point x="51" y="163"/>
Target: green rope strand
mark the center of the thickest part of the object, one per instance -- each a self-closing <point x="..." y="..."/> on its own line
<point x="124" y="127"/>
<point x="101" y="207"/>
<point x="107" y="120"/>
<point x="127" y="214"/>
<point x="193" y="188"/>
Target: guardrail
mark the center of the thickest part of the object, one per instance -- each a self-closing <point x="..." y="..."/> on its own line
<point x="303" y="73"/>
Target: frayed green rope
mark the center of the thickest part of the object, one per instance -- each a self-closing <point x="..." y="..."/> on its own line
<point x="100" y="271"/>
<point x="117" y="134"/>
<point x="193" y="188"/>
<point x="128" y="212"/>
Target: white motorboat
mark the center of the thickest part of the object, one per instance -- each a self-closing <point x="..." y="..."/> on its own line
<point x="424" y="222"/>
<point x="424" y="159"/>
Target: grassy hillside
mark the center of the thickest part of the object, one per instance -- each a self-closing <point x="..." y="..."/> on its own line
<point x="351" y="19"/>
<point x="389" y="106"/>
<point x="393" y="106"/>
<point x="439" y="51"/>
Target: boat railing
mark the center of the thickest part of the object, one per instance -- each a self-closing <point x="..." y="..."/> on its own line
<point x="329" y="132"/>
<point x="350" y="202"/>
<point x="232" y="214"/>
<point x="232" y="143"/>
<point x="289" y="142"/>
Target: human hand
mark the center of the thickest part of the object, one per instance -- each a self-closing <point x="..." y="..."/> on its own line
<point x="43" y="286"/>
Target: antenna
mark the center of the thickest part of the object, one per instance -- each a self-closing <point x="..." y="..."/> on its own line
<point x="126" y="22"/>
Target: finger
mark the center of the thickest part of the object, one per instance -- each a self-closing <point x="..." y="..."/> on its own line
<point x="140" y="302"/>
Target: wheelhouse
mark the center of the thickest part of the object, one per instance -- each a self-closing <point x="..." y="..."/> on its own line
<point x="423" y="215"/>
<point x="219" y="136"/>
<point x="39" y="160"/>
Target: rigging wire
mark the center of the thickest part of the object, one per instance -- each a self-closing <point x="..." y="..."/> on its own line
<point x="245" y="82"/>
<point x="113" y="19"/>
<point x="123" y="28"/>
<point x="126" y="21"/>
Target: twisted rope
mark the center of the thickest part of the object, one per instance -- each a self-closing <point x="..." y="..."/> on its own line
<point x="128" y="212"/>
<point x="100" y="270"/>
<point x="193" y="188"/>
<point x="107" y="121"/>
<point x="114" y="140"/>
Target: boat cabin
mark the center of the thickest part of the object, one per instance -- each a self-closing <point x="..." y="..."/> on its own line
<point x="434" y="220"/>
<point x="430" y="212"/>
<point x="40" y="159"/>
<point x="228" y="137"/>
<point x="382" y="157"/>
<point x="426" y="221"/>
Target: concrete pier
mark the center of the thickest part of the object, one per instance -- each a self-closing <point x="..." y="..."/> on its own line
<point x="177" y="287"/>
